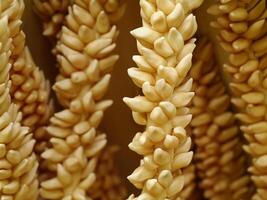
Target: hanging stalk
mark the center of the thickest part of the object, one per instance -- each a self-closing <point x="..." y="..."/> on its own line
<point x="18" y="178"/>
<point x="85" y="58"/>
<point x="242" y="33"/>
<point x="30" y="90"/>
<point x="219" y="158"/>
<point x="165" y="44"/>
<point x="53" y="15"/>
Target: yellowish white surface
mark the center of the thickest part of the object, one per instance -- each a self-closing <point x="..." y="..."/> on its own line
<point x="118" y="122"/>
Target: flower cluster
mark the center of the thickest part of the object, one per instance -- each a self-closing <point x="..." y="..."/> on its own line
<point x="166" y="45"/>
<point x="85" y="58"/>
<point x="242" y="34"/>
<point x="219" y="158"/>
<point x="18" y="164"/>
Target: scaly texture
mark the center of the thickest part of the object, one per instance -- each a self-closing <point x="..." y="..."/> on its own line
<point x="18" y="166"/>
<point x="243" y="27"/>
<point x="108" y="184"/>
<point x="85" y="59"/>
<point x="219" y="157"/>
<point x="165" y="44"/>
<point x="29" y="90"/>
<point x="14" y="12"/>
<point x="52" y="13"/>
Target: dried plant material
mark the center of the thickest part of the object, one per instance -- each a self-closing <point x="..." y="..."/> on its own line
<point x="52" y="13"/>
<point x="29" y="90"/>
<point x="18" y="164"/>
<point x="219" y="157"/>
<point x="165" y="44"/>
<point x="242" y="26"/>
<point x="108" y="184"/>
<point x="85" y="58"/>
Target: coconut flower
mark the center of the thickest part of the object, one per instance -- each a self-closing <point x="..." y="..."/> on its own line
<point x="242" y="34"/>
<point x="18" y="162"/>
<point x="85" y="58"/>
<point x="166" y="45"/>
<point x="219" y="158"/>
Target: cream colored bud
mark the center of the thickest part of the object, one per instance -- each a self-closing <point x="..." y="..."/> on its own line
<point x="161" y="157"/>
<point x="88" y="181"/>
<point x="170" y="142"/>
<point x="100" y="88"/>
<point x="175" y="39"/>
<point x="159" y="22"/>
<point x="154" y="59"/>
<point x="176" y="186"/>
<point x="163" y="88"/>
<point x="162" y="47"/>
<point x="168" y="108"/>
<point x="176" y="17"/>
<point x="158" y="116"/>
<point x="180" y="99"/>
<point x="153" y="187"/>
<point x="184" y="66"/>
<point x="168" y="73"/>
<point x="165" y="5"/>
<point x="145" y="34"/>
<point x="140" y="174"/>
<point x="188" y="27"/>
<point x="142" y="64"/>
<point x="147" y="8"/>
<point x="182" y="120"/>
<point x="139" y="104"/>
<point x="155" y="134"/>
<point x="150" y="92"/>
<point x="139" y="77"/>
<point x="182" y="160"/>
